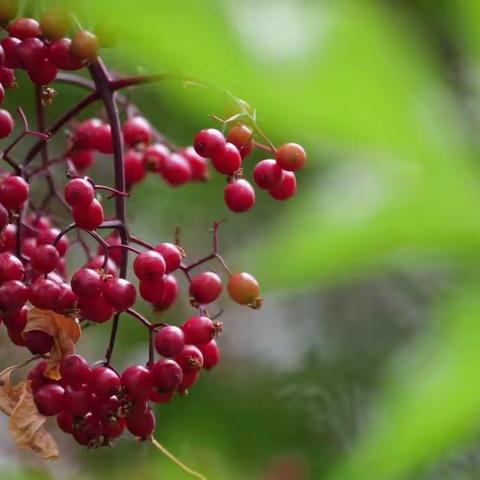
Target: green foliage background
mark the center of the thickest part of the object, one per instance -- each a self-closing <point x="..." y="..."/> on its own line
<point x="392" y="185"/>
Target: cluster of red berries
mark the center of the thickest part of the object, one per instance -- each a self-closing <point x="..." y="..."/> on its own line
<point x="276" y="176"/>
<point x="94" y="403"/>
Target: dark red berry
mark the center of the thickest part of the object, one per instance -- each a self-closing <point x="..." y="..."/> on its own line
<point x="155" y="157"/>
<point x="6" y="124"/>
<point x="166" y="375"/>
<point x="228" y="160"/>
<point x="141" y="425"/>
<point x="169" y="293"/>
<point x="42" y="72"/>
<point x="198" y="164"/>
<point x="89" y="217"/>
<point x="74" y="370"/>
<point x="103" y="382"/>
<point x="199" y="330"/>
<point x="84" y="45"/>
<point x="115" y="254"/>
<point x="85" y="133"/>
<point x="95" y="309"/>
<point x="267" y="174"/>
<point x="44" y="293"/>
<point x="286" y="188"/>
<point x="66" y="299"/>
<point x="65" y="421"/>
<point x="13" y="296"/>
<point x="14" y="192"/>
<point x="134" y="168"/>
<point x="137" y="130"/>
<point x="4" y="217"/>
<point x="45" y="258"/>
<point x="205" y="287"/>
<point x="119" y="293"/>
<point x="211" y="354"/>
<point x="16" y="320"/>
<point x="11" y="268"/>
<point x="16" y="337"/>
<point x="24" y="28"/>
<point x="137" y="381"/>
<point x="149" y="266"/>
<point x="113" y="430"/>
<point x="9" y="45"/>
<point x="59" y="53"/>
<point x="239" y="196"/>
<point x="76" y="402"/>
<point x="87" y="283"/>
<point x="176" y="170"/>
<point x="79" y="192"/>
<point x="169" y="341"/>
<point x="38" y="342"/>
<point x="171" y="254"/>
<point x="29" y="51"/>
<point x="244" y="289"/>
<point x="49" y="235"/>
<point x="208" y="142"/>
<point x="190" y="359"/>
<point x="152" y="292"/>
<point x="291" y="156"/>
<point x="49" y="399"/>
<point x="102" y="139"/>
<point x="242" y="137"/>
<point x="89" y="432"/>
<point x="7" y="77"/>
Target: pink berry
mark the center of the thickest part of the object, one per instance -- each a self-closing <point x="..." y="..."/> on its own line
<point x="199" y="330"/>
<point x="149" y="266"/>
<point x="239" y="196"/>
<point x="267" y="174"/>
<point x="209" y="142"/>
<point x="198" y="164"/>
<point x="286" y="188"/>
<point x="205" y="287"/>
<point x="119" y="293"/>
<point x="44" y="293"/>
<point x="169" y="341"/>
<point x="190" y="359"/>
<point x="228" y="160"/>
<point x="137" y="130"/>
<point x="211" y="354"/>
<point x="171" y="254"/>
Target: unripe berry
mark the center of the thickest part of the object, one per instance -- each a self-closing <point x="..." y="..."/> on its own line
<point x="239" y="196"/>
<point x="14" y="192"/>
<point x="49" y="399"/>
<point x="267" y="174"/>
<point x="6" y="124"/>
<point x="169" y="341"/>
<point x="137" y="130"/>
<point x="85" y="45"/>
<point x="45" y="258"/>
<point x="79" y="192"/>
<point x="244" y="289"/>
<point x="286" y="188"/>
<point x="209" y="142"/>
<point x="205" y="287"/>
<point x="242" y="137"/>
<point x="291" y="156"/>
<point x="55" y="23"/>
<point x="89" y="217"/>
<point x="74" y="370"/>
<point x="149" y="266"/>
<point x="38" y="342"/>
<point x="8" y="10"/>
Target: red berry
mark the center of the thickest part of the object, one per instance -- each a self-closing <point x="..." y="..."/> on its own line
<point x="208" y="142"/>
<point x="286" y="188"/>
<point x="103" y="382"/>
<point x="205" y="287"/>
<point x="24" y="28"/>
<point x="38" y="342"/>
<point x="16" y="337"/>
<point x="171" y="254"/>
<point x="14" y="192"/>
<point x="137" y="381"/>
<point x="267" y="174"/>
<point x="137" y="130"/>
<point x="242" y="137"/>
<point x="44" y="293"/>
<point x="74" y="370"/>
<point x="4" y="217"/>
<point x="113" y="430"/>
<point x="155" y="157"/>
<point x="228" y="160"/>
<point x="102" y="139"/>
<point x="239" y="196"/>
<point x="29" y="51"/>
<point x="16" y="320"/>
<point x="169" y="295"/>
<point x="55" y="23"/>
<point x="211" y="354"/>
<point x="152" y="291"/>
<point x="244" y="289"/>
<point x="87" y="283"/>
<point x="6" y="124"/>
<point x="49" y="236"/>
<point x="76" y="402"/>
<point x="84" y="45"/>
<point x="7" y="77"/>
<point x="78" y="192"/>
<point x="86" y="132"/>
<point x="45" y="258"/>
<point x="96" y="263"/>
<point x="59" y="53"/>
<point x="65" y="422"/>
<point x="37" y="377"/>
<point x="2" y="92"/>
<point x="176" y="170"/>
<point x="134" y="168"/>
<point x="42" y="72"/>
<point x="9" y="45"/>
<point x="189" y="379"/>
<point x="190" y="359"/>
<point x="291" y="156"/>
<point x="89" y="217"/>
<point x="89" y="432"/>
<point x="149" y="266"/>
<point x="49" y="399"/>
<point x="169" y="341"/>
<point x="198" y="164"/>
<point x="157" y="397"/>
<point x="119" y="293"/>
<point x="95" y="309"/>
<point x="166" y="375"/>
<point x="82" y="159"/>
<point x="200" y="330"/>
<point x="11" y="268"/>
<point x="13" y="296"/>
<point x="66" y="299"/>
<point x="142" y="424"/>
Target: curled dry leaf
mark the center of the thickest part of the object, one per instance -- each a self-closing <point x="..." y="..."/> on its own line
<point x="65" y="331"/>
<point x="26" y="425"/>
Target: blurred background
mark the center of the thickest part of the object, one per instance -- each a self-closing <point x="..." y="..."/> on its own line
<point x="364" y="361"/>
